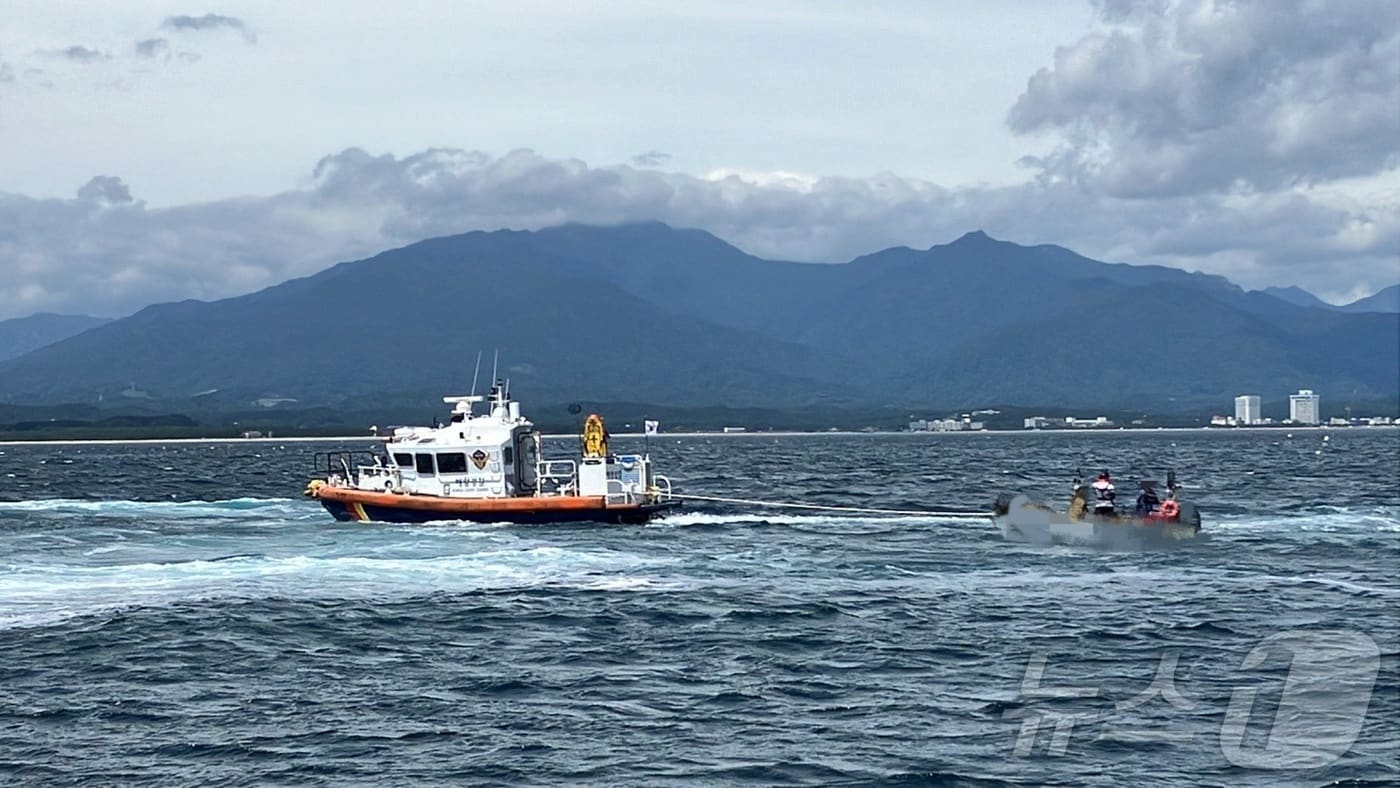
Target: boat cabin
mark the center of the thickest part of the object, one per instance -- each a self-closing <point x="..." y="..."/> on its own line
<point x="497" y="454"/>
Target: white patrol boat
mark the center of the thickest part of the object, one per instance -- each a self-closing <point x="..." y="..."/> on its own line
<point x="489" y="467"/>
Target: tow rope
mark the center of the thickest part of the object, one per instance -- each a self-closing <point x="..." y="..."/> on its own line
<point x="942" y="515"/>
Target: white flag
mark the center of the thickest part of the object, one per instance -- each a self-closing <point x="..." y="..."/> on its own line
<point x="650" y="426"/>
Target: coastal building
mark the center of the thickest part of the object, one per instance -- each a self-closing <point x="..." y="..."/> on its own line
<point x="952" y="424"/>
<point x="1097" y="421"/>
<point x="1303" y="407"/>
<point x="1042" y="423"/>
<point x="1247" y="409"/>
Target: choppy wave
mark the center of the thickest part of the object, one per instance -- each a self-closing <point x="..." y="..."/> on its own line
<point x="177" y="620"/>
<point x="38" y="595"/>
<point x="691" y="518"/>
<point x="232" y="507"/>
<point x="1363" y="520"/>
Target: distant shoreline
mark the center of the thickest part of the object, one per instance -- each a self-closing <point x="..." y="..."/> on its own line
<point x="718" y="434"/>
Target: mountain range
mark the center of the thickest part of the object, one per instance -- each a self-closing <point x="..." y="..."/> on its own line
<point x="1386" y="300"/>
<point x="649" y="313"/>
<point x="22" y="335"/>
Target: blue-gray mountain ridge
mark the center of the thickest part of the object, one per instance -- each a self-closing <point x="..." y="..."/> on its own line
<point x="648" y="313"/>
<point x="22" y="335"/>
<point x="1385" y="300"/>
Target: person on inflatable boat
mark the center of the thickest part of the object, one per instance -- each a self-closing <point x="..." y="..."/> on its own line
<point x="1147" y="501"/>
<point x="1103" y="495"/>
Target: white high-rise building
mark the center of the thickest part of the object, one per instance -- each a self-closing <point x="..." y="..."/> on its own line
<point x="1247" y="409"/>
<point x="1303" y="407"/>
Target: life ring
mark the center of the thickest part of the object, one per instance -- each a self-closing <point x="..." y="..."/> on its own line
<point x="388" y="485"/>
<point x="1170" y="510"/>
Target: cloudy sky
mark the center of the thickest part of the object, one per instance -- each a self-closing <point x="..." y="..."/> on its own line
<point x="152" y="151"/>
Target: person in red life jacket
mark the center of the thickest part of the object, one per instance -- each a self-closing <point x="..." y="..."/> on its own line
<point x="1103" y="495"/>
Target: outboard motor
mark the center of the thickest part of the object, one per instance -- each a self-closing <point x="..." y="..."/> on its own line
<point x="1002" y="504"/>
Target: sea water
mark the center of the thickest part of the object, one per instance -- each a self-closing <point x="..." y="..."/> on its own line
<point x="178" y="614"/>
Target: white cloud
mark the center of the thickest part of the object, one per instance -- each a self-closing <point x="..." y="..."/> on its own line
<point x="651" y="158"/>
<point x="106" y="252"/>
<point x="152" y="47"/>
<point x="80" y="54"/>
<point x="817" y="87"/>
<point x="209" y="22"/>
<point x="1250" y="139"/>
<point x="105" y="190"/>
<point x="792" y="181"/>
<point x="1172" y="98"/>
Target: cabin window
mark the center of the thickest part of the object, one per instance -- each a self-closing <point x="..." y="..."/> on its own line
<point x="425" y="464"/>
<point x="508" y="455"/>
<point x="403" y="459"/>
<point x="452" y="462"/>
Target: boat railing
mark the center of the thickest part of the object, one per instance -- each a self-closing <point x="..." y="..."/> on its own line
<point x="618" y="493"/>
<point x="660" y="487"/>
<point x="379" y="474"/>
<point x="557" y="476"/>
<point x="342" y="463"/>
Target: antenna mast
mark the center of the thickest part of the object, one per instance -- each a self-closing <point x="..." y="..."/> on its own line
<point x="476" y="372"/>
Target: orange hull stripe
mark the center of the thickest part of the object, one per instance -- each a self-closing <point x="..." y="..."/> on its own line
<point x="356" y="499"/>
